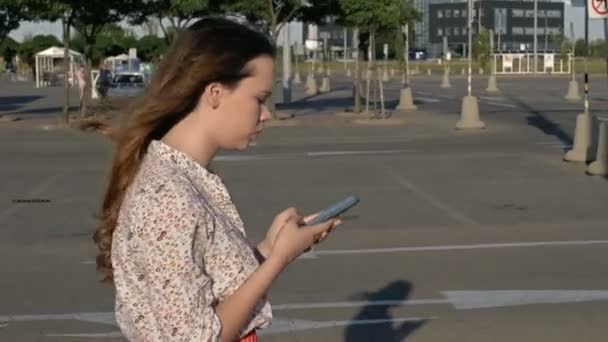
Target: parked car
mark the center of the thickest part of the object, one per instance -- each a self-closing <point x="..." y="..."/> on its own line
<point x="126" y="84"/>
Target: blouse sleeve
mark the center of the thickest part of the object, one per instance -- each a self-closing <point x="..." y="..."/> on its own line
<point x="178" y="288"/>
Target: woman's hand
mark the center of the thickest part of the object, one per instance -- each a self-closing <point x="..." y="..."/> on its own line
<point x="294" y="239"/>
<point x="265" y="247"/>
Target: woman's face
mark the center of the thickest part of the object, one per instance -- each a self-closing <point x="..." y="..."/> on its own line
<point x="238" y="113"/>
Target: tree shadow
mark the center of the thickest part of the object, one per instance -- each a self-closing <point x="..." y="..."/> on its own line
<point x="375" y="323"/>
<point x="11" y="103"/>
<point x="539" y="120"/>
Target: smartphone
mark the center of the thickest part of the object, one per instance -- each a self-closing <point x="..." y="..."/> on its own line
<point x="335" y="210"/>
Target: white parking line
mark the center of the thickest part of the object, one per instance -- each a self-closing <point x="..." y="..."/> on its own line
<point x="427" y="99"/>
<point x="499" y="104"/>
<point x="320" y="253"/>
<point x="350" y="153"/>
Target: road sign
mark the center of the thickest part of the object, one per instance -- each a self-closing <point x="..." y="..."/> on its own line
<point x="598" y="9"/>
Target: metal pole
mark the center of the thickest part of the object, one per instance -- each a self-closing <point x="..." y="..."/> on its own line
<point x="286" y="65"/>
<point x="344" y="52"/>
<point x="479" y="18"/>
<point x="572" y="59"/>
<point x="470" y="17"/>
<point x="492" y="52"/>
<point x="407" y="55"/>
<point x="535" y="33"/>
<point x="586" y="56"/>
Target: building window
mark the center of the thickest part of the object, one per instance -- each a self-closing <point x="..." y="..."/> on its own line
<point x="529" y="31"/>
<point x="448" y="13"/>
<point x="456" y="13"/>
<point x="448" y="31"/>
<point x="554" y="14"/>
<point x="440" y="14"/>
<point x="456" y="31"/>
<point x="440" y="32"/>
<point x="530" y="13"/>
<point x="517" y="13"/>
<point x="517" y="30"/>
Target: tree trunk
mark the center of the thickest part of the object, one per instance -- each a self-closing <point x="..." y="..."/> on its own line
<point x="67" y="61"/>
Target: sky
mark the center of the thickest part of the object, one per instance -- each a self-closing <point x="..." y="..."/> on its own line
<point x="573" y="14"/>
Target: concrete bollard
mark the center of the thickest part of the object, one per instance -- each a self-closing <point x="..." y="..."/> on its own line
<point x="600" y="166"/>
<point x="348" y="73"/>
<point x="492" y="88"/>
<point x="385" y="77"/>
<point x="573" y="93"/>
<point x="428" y="71"/>
<point x="582" y="150"/>
<point x="406" y="100"/>
<point x="469" y="114"/>
<point x="297" y="79"/>
<point x="311" y="85"/>
<point x="445" y="80"/>
<point x="325" y="86"/>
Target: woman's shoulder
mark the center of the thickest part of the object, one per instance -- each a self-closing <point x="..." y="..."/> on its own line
<point x="162" y="188"/>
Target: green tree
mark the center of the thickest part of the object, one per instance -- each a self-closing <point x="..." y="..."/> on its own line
<point x="12" y="12"/>
<point x="580" y="48"/>
<point x="173" y="15"/>
<point x="481" y="48"/>
<point x="370" y="17"/>
<point x="32" y="45"/>
<point x="150" y="47"/>
<point x="268" y="14"/>
<point x="9" y="48"/>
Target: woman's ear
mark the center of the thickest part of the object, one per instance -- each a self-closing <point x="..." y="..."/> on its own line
<point x="213" y="94"/>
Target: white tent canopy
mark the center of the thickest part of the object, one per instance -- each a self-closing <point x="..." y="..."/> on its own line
<point x="45" y="64"/>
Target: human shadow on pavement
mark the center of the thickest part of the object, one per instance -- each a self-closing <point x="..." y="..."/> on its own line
<point x="375" y="323"/>
<point x="11" y="103"/>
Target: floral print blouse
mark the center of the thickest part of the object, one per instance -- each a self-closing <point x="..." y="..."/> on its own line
<point x="179" y="247"/>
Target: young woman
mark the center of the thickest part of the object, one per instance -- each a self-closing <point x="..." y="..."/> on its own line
<point x="171" y="240"/>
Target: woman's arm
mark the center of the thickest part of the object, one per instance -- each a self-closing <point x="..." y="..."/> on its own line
<point x="235" y="310"/>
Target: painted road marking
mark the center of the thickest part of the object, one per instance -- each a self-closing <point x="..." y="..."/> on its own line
<point x="313" y="154"/>
<point x="437" y="203"/>
<point x="427" y="99"/>
<point x="315" y="254"/>
<point x="350" y="153"/>
<point x="459" y="300"/>
<point x="499" y="104"/>
<point x="462" y="247"/>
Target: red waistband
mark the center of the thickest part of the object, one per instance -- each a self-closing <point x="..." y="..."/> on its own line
<point x="251" y="337"/>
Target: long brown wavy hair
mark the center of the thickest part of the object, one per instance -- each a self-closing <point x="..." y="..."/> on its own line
<point x="213" y="49"/>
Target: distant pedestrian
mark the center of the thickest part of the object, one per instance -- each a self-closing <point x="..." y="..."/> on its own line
<point x="82" y="84"/>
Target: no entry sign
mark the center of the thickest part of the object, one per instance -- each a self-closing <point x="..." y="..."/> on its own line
<point x="598" y="9"/>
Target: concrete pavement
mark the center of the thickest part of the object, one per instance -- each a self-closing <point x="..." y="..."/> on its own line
<point x="448" y="220"/>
